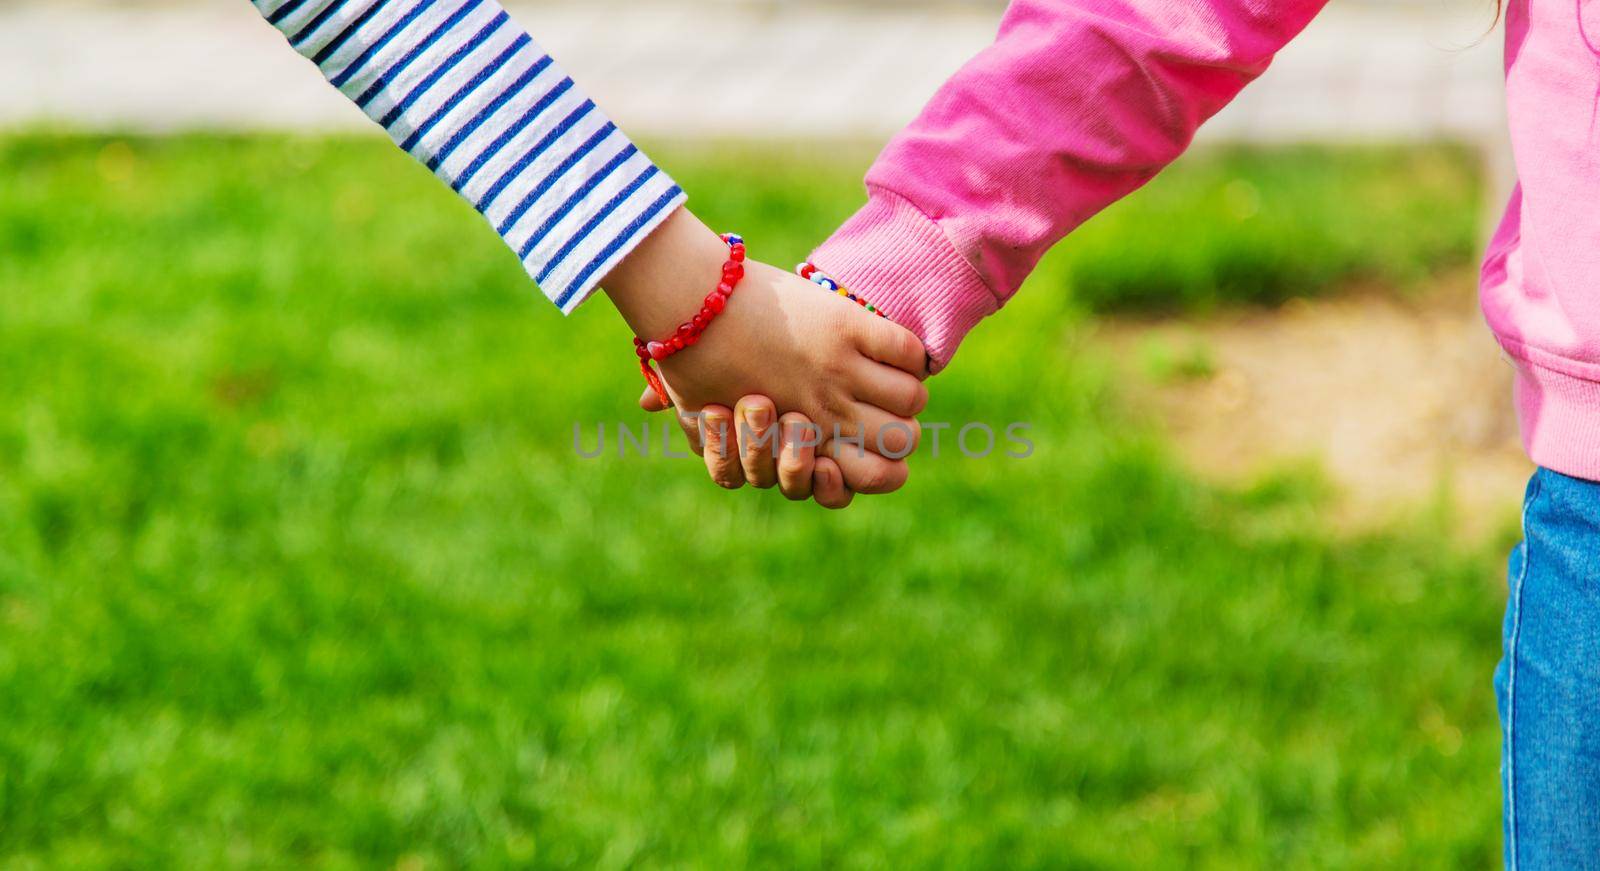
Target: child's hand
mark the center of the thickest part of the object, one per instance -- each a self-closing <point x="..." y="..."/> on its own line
<point x="780" y="337"/>
<point x="738" y="451"/>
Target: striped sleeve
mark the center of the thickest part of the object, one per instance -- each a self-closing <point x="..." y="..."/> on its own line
<point x="463" y="89"/>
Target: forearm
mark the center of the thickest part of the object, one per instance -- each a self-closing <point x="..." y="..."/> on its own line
<point x="1075" y="105"/>
<point x="469" y="94"/>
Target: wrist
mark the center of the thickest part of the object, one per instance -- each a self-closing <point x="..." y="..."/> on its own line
<point x="901" y="258"/>
<point x="663" y="281"/>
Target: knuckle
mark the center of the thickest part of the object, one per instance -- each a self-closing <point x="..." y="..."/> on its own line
<point x="757" y="445"/>
<point x="905" y="398"/>
<point x="836" y="501"/>
<point x="895" y="438"/>
<point x="873" y="481"/>
<point x="909" y="434"/>
<point x="723" y="445"/>
<point x="892" y="439"/>
<point x="883" y="479"/>
<point x="899" y="344"/>
<point x="833" y="369"/>
<point x="758" y="477"/>
<point x="838" y="405"/>
<point x="906" y="346"/>
<point x="789" y="467"/>
<point x="917" y="401"/>
<point x="794" y="481"/>
<point x="791" y="420"/>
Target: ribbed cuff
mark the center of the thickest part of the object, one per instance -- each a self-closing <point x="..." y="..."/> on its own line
<point x="1560" y="417"/>
<point x="902" y="261"/>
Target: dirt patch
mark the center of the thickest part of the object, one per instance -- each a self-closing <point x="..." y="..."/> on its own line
<point x="1401" y="401"/>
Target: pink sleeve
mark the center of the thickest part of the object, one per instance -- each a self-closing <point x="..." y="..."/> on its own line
<point x="1076" y="104"/>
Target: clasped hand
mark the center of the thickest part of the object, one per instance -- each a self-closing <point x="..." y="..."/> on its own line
<point x="829" y="392"/>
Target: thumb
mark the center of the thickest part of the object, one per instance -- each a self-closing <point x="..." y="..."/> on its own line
<point x="649" y="401"/>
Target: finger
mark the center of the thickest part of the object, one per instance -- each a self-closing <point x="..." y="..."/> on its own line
<point x="829" y="487"/>
<point x="721" y="447"/>
<point x="689" y="422"/>
<point x="758" y="440"/>
<point x="880" y="432"/>
<point x="890" y="389"/>
<point x="888" y="342"/>
<point x="797" y="455"/>
<point x="649" y="401"/>
<point x="865" y="472"/>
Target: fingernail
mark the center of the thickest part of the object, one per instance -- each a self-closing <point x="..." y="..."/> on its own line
<point x="758" y="416"/>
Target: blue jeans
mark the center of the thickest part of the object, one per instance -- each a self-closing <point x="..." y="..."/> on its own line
<point x="1548" y="682"/>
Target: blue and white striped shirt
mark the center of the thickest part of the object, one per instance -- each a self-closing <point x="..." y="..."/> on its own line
<point x="463" y="89"/>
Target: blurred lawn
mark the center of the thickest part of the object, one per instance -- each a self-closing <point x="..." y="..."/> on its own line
<point x="1233" y="226"/>
<point x="297" y="564"/>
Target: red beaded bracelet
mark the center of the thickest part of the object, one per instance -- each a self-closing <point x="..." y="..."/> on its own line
<point x="689" y="331"/>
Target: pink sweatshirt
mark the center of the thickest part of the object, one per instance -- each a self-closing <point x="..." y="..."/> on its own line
<point x="1079" y="102"/>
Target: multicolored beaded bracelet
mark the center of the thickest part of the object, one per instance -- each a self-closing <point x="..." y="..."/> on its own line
<point x="811" y="273"/>
<point x="689" y="331"/>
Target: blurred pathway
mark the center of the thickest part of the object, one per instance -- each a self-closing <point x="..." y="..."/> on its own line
<point x="718" y="70"/>
<point x="1315" y="380"/>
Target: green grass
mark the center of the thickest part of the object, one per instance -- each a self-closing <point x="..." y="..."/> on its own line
<point x="297" y="566"/>
<point x="1231" y="226"/>
<point x="1244" y="226"/>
